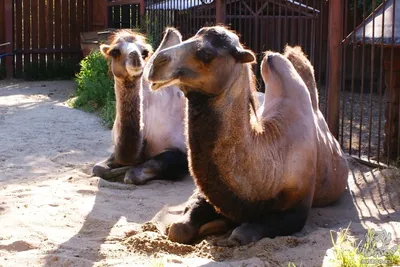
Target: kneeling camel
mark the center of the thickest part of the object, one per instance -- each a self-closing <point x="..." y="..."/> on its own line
<point x="255" y="167"/>
<point x="148" y="131"/>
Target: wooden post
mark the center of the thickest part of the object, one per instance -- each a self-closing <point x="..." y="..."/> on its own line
<point x="142" y="8"/>
<point x="220" y="11"/>
<point x="392" y="105"/>
<point x="8" y="24"/>
<point x="335" y="63"/>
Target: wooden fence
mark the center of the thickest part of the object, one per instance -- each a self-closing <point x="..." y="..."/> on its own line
<point x="45" y="31"/>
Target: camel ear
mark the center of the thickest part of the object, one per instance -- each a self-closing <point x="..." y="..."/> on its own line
<point x="244" y="56"/>
<point x="171" y="37"/>
<point x="110" y="51"/>
<point x="105" y="49"/>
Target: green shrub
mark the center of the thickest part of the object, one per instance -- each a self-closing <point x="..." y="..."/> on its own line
<point x="95" y="89"/>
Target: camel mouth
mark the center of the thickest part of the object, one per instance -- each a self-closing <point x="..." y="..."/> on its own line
<point x="162" y="84"/>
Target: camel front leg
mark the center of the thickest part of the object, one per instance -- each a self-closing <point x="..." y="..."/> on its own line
<point x="170" y="164"/>
<point x="109" y="169"/>
<point x="198" y="219"/>
<point x="281" y="223"/>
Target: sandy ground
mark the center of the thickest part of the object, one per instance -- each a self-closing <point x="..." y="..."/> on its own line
<point x="53" y="213"/>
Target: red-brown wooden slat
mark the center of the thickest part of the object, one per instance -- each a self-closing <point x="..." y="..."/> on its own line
<point x="73" y="29"/>
<point x="80" y="18"/>
<point x="65" y="28"/>
<point x="18" y="37"/>
<point x="50" y="28"/>
<point x="34" y="29"/>
<point x="2" y="24"/>
<point x="27" y="31"/>
<point x="57" y="28"/>
<point x="42" y="31"/>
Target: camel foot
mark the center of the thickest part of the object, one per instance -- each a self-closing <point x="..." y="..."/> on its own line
<point x="281" y="223"/>
<point x="108" y="169"/>
<point x="244" y="234"/>
<point x="199" y="219"/>
<point x="169" y="165"/>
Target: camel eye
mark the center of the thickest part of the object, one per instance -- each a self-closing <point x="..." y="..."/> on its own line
<point x="145" y="53"/>
<point x="115" y="52"/>
<point x="206" y="54"/>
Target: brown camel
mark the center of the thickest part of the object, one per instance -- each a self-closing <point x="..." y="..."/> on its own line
<point x="258" y="171"/>
<point x="148" y="131"/>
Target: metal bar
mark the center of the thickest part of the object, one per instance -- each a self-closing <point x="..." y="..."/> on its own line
<point x="352" y="80"/>
<point x="362" y="83"/>
<point x="381" y="68"/>
<point x="335" y="41"/>
<point x="344" y="74"/>
<point x="8" y="23"/>
<point x="371" y="79"/>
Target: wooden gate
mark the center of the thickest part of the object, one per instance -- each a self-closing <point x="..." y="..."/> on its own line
<point x="47" y="31"/>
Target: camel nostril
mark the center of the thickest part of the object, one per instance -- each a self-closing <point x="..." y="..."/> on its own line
<point x="161" y="59"/>
<point x="135" y="58"/>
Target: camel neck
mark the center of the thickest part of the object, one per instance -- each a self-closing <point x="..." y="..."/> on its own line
<point x="127" y="95"/>
<point x="219" y="134"/>
<point x="127" y="126"/>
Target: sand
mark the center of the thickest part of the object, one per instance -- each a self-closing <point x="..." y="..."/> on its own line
<point x="53" y="213"/>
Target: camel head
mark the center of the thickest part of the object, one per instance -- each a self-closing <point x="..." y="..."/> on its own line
<point x="128" y="52"/>
<point x="207" y="62"/>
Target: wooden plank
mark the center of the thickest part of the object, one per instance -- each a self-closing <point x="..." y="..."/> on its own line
<point x="2" y="23"/>
<point x="42" y="31"/>
<point x="65" y="28"/>
<point x="8" y="7"/>
<point x="74" y="28"/>
<point x="99" y="17"/>
<point x="27" y="31"/>
<point x="34" y="29"/>
<point x="50" y="28"/>
<point x="18" y="44"/>
<point x="57" y="28"/>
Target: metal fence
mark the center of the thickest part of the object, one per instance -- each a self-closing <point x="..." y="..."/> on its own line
<point x="369" y="120"/>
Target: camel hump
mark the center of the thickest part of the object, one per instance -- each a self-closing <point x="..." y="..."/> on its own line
<point x="305" y="69"/>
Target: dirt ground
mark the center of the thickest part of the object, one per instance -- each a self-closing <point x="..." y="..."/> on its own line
<point x="53" y="213"/>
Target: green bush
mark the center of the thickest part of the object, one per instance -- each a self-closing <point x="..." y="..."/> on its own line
<point x="95" y="89"/>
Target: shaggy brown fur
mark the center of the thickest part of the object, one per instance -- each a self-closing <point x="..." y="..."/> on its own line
<point x="258" y="173"/>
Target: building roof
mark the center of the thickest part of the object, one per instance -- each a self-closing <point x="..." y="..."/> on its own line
<point x="183" y="5"/>
<point x="382" y="18"/>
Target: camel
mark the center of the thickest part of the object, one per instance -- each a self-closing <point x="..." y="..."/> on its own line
<point x="148" y="131"/>
<point x="255" y="167"/>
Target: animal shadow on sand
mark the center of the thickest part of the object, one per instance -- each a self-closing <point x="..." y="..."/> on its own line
<point x="116" y="205"/>
<point x="364" y="198"/>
